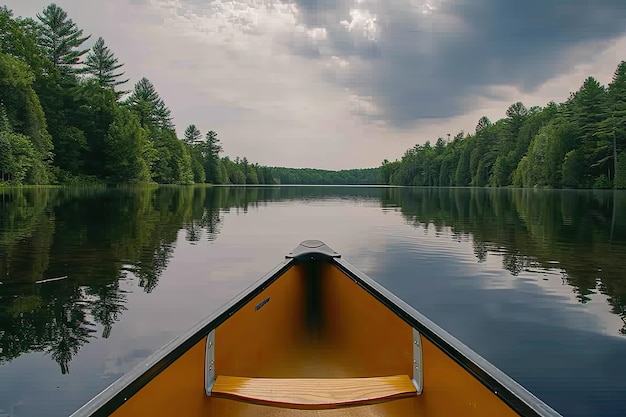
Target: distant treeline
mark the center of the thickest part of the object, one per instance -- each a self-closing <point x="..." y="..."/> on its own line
<point x="580" y="143"/>
<point x="367" y="176"/>
<point x="66" y="119"/>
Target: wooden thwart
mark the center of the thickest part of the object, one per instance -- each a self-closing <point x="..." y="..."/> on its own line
<point x="311" y="393"/>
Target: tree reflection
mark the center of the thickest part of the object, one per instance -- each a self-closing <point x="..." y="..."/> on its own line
<point x="95" y="239"/>
<point x="583" y="232"/>
<point x="99" y="238"/>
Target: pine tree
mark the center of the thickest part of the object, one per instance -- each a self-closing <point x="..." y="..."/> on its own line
<point x="483" y="123"/>
<point x="617" y="109"/>
<point x="210" y="152"/>
<point x="61" y="39"/>
<point x="192" y="135"/>
<point x="149" y="107"/>
<point x="101" y="63"/>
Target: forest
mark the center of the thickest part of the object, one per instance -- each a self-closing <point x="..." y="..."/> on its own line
<point x="580" y="143"/>
<point x="67" y="117"/>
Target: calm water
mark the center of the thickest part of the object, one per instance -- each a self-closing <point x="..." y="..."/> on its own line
<point x="535" y="281"/>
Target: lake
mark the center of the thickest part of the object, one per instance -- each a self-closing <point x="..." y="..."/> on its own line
<point x="533" y="280"/>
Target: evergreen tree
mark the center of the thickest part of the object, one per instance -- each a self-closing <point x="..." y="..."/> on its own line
<point x="102" y="64"/>
<point x="192" y="135"/>
<point x="483" y="123"/>
<point x="60" y="38"/>
<point x="149" y="107"/>
<point x="614" y="128"/>
<point x="211" y="149"/>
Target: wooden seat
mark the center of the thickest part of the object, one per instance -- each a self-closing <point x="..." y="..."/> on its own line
<point x="310" y="393"/>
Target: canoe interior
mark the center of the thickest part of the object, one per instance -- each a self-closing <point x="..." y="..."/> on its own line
<point x="314" y="322"/>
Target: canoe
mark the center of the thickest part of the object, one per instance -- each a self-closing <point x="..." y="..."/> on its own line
<point x="315" y="336"/>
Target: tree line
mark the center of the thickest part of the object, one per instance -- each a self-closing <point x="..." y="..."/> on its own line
<point x="580" y="143"/>
<point x="65" y="118"/>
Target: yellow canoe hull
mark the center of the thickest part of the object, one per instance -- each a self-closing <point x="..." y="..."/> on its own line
<point x="316" y="337"/>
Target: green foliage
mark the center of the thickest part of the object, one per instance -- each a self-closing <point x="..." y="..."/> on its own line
<point x="192" y="135"/>
<point x="569" y="145"/>
<point x="18" y="38"/>
<point x="540" y="167"/>
<point x="222" y="173"/>
<point x="93" y="110"/>
<point x="102" y="64"/>
<point x="386" y="171"/>
<point x="573" y="163"/>
<point x="126" y="146"/>
<point x="602" y="182"/>
<point x="25" y="116"/>
<point x="210" y="150"/>
<point x="199" y="176"/>
<point x="60" y="38"/>
<point x="483" y="123"/>
<point x="251" y="175"/>
<point x="149" y="107"/>
<point x="17" y="155"/>
<point x="77" y="130"/>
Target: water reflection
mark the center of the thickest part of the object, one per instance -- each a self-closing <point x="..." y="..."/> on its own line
<point x="95" y="239"/>
<point x="582" y="233"/>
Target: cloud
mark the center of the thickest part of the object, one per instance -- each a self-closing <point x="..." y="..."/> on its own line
<point x="425" y="58"/>
<point x="362" y="21"/>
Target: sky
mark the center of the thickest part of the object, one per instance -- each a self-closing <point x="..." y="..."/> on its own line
<point x="346" y="84"/>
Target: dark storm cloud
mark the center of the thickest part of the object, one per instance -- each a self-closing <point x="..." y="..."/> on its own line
<point x="427" y="65"/>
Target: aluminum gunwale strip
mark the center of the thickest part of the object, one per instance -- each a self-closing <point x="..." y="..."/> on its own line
<point x="112" y="397"/>
<point x="512" y="393"/>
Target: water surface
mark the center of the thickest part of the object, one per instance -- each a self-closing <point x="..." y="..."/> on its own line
<point x="535" y="281"/>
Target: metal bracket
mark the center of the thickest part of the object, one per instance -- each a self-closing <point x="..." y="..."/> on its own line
<point x="312" y="250"/>
<point x="418" y="370"/>
<point x="209" y="363"/>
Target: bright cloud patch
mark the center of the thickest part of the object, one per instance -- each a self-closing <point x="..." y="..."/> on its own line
<point x="253" y="26"/>
<point x="425" y="6"/>
<point x="363" y="22"/>
<point x="363" y="105"/>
